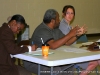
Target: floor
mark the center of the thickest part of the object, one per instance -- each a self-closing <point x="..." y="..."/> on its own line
<point x="89" y="39"/>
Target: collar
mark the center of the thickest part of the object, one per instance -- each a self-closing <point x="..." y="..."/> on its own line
<point x="65" y="21"/>
<point x="8" y="26"/>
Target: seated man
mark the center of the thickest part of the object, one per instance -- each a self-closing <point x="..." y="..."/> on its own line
<point x="48" y="30"/>
<point x="8" y="46"/>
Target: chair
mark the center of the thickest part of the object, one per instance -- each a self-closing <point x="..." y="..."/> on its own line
<point x="83" y="38"/>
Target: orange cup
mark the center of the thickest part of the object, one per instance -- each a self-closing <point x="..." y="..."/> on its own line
<point x="45" y="50"/>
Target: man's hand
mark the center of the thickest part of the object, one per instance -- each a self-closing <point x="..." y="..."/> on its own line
<point x="73" y="31"/>
<point x="34" y="47"/>
<point x="81" y="30"/>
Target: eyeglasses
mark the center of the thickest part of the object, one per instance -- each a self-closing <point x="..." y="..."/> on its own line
<point x="19" y="27"/>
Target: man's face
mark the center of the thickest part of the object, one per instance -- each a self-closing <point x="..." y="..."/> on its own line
<point x="57" y="21"/>
<point x="16" y="27"/>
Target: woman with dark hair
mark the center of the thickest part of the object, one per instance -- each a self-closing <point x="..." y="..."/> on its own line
<point x="8" y="46"/>
<point x="68" y="15"/>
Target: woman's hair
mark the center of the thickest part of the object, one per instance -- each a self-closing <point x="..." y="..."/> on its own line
<point x="65" y="8"/>
<point x="49" y="15"/>
<point x="19" y="19"/>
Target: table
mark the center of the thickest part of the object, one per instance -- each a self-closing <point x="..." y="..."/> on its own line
<point x="63" y="55"/>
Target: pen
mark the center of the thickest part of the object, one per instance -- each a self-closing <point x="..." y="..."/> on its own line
<point x="32" y="43"/>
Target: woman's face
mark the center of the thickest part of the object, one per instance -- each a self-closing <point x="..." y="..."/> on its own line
<point x="69" y="15"/>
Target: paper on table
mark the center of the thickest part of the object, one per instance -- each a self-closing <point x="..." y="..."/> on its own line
<point x="87" y="43"/>
<point x="38" y="49"/>
<point x="38" y="52"/>
<point x="75" y="50"/>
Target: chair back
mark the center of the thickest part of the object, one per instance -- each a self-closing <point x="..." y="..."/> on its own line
<point x="83" y="38"/>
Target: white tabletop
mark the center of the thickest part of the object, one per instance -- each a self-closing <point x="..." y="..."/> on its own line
<point x="61" y="56"/>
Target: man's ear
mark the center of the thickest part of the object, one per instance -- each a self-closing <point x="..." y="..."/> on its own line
<point x="52" y="21"/>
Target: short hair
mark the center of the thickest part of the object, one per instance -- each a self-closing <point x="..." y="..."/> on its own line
<point x="49" y="15"/>
<point x="19" y="18"/>
<point x="66" y="7"/>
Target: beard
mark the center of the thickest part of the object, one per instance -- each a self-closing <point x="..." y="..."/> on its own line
<point x="56" y="25"/>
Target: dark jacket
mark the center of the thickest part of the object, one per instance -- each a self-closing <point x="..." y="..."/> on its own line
<point x="7" y="47"/>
